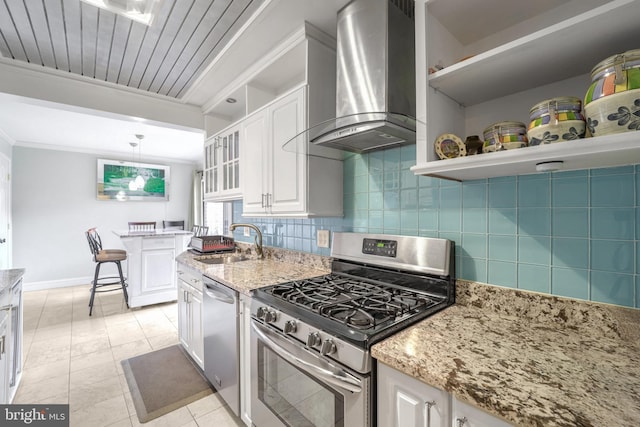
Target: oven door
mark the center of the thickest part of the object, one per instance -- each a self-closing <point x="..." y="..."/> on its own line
<point x="291" y="386"/>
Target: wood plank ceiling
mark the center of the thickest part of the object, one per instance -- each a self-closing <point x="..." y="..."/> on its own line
<point x="164" y="58"/>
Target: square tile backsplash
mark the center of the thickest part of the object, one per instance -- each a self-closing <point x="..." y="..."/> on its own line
<point x="573" y="234"/>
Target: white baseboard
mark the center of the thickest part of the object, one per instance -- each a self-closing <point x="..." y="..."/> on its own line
<point x="53" y="284"/>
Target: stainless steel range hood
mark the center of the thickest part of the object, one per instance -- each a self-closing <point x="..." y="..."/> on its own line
<point x="375" y="93"/>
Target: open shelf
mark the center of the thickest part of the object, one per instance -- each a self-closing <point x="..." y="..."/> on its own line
<point x="603" y="151"/>
<point x="566" y="49"/>
<point x="517" y="54"/>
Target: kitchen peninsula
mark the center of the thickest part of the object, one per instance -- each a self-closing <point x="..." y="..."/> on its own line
<point x="151" y="272"/>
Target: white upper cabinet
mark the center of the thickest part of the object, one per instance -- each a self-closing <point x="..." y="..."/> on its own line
<point x="286" y="182"/>
<point x="295" y="89"/>
<point x="254" y="166"/>
<point x="222" y="165"/>
<point x="290" y="89"/>
<point x="500" y="58"/>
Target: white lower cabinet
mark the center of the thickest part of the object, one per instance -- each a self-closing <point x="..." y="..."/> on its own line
<point x="4" y="359"/>
<point x="245" y="359"/>
<point x="151" y="268"/>
<point x="190" y="331"/>
<point x="465" y="415"/>
<point x="404" y="401"/>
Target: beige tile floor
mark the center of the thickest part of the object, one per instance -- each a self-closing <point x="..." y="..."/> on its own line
<point x="72" y="358"/>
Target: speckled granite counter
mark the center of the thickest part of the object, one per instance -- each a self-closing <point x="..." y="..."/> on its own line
<point x="532" y="359"/>
<point x="9" y="277"/>
<point x="278" y="266"/>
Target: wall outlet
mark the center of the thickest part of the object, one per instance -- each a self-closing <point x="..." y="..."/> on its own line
<point x="246" y="231"/>
<point x="323" y="238"/>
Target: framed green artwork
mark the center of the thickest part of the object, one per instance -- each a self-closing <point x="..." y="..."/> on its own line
<point x="130" y="181"/>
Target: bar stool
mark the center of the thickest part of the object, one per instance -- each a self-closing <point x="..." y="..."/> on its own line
<point x="101" y="256"/>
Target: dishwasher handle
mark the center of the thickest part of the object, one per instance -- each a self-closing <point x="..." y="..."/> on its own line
<point x="212" y="292"/>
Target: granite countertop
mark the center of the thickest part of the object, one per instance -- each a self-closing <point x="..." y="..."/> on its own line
<point x="278" y="266"/>
<point x="9" y="277"/>
<point x="151" y="233"/>
<point x="532" y="359"/>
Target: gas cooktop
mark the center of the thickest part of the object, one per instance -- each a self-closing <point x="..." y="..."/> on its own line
<point x="378" y="285"/>
<point x="354" y="302"/>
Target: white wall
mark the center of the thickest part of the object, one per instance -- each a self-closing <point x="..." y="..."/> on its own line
<point x="5" y="144"/>
<point x="54" y="203"/>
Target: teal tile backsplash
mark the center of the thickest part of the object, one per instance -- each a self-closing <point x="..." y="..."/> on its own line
<point x="573" y="234"/>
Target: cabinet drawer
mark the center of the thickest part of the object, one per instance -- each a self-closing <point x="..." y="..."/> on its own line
<point x="158" y="243"/>
<point x="191" y="281"/>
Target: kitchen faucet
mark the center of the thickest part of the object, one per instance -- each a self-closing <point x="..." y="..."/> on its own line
<point x="257" y="239"/>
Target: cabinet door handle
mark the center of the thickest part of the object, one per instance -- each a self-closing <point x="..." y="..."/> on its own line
<point x="460" y="422"/>
<point x="429" y="405"/>
<point x="2" y="349"/>
<point x="268" y="200"/>
<point x="262" y="202"/>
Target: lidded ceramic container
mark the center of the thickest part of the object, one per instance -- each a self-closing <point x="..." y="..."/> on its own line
<point x="504" y="136"/>
<point x="555" y="120"/>
<point x="612" y="103"/>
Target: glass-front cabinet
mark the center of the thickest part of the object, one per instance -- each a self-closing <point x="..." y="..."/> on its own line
<point x="222" y="165"/>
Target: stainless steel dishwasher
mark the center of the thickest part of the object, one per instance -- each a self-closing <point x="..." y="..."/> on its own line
<point x="221" y="341"/>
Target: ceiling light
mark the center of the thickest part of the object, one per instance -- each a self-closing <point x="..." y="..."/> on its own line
<point x="138" y="10"/>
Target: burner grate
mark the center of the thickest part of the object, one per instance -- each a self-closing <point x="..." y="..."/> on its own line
<point x="358" y="304"/>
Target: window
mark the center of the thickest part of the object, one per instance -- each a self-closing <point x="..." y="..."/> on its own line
<point x="218" y="217"/>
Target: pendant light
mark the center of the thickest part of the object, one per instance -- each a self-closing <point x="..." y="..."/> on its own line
<point x="138" y="182"/>
<point x="133" y="186"/>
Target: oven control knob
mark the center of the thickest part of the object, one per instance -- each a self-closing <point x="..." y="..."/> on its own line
<point x="328" y="347"/>
<point x="290" y="327"/>
<point x="270" y="316"/>
<point x="260" y="312"/>
<point x="314" y="339"/>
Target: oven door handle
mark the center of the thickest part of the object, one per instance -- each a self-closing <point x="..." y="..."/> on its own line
<point x="307" y="362"/>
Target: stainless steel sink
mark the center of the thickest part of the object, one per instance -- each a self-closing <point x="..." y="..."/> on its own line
<point x="223" y="259"/>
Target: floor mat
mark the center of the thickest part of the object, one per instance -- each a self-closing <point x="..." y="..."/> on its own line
<point x="163" y="381"/>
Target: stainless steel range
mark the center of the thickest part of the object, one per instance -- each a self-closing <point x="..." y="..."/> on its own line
<point x="311" y="339"/>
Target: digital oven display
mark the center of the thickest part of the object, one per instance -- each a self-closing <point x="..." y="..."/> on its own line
<point x="379" y="247"/>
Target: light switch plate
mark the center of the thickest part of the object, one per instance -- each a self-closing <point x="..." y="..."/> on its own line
<point x="323" y="238"/>
<point x="247" y="232"/>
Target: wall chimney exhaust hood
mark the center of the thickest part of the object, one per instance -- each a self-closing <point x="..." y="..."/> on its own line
<point x="375" y="90"/>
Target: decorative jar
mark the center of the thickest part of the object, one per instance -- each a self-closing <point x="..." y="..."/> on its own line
<point x="555" y="120"/>
<point x="612" y="103"/>
<point x="504" y="136"/>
